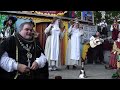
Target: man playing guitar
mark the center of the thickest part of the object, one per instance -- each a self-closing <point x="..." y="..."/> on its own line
<point x="95" y="40"/>
<point x="97" y="49"/>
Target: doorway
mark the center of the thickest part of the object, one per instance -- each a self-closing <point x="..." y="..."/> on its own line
<point x="40" y="27"/>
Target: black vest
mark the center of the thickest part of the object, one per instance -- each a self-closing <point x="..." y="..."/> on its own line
<point x="9" y="45"/>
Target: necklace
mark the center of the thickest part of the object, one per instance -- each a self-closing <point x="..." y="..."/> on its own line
<point x="27" y="48"/>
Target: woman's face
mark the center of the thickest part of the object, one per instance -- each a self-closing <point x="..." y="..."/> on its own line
<point x="77" y="25"/>
<point x="80" y="26"/>
<point x="115" y="21"/>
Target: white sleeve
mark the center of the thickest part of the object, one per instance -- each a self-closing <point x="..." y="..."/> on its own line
<point x="41" y="60"/>
<point x="106" y="24"/>
<point x="70" y="29"/>
<point x="92" y="38"/>
<point x="119" y="27"/>
<point x="8" y="63"/>
<point x="62" y="34"/>
<point x="111" y="28"/>
<point x="81" y="32"/>
<point x="1" y="35"/>
<point x="48" y="29"/>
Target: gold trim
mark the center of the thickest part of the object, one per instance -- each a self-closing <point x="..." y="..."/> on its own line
<point x="16" y="61"/>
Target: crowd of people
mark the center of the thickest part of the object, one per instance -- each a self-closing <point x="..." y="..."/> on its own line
<point x="21" y="55"/>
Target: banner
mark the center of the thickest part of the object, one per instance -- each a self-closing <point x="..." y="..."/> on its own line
<point x="87" y="16"/>
<point x="89" y="30"/>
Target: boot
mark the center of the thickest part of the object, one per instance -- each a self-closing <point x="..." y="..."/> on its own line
<point x="74" y="67"/>
<point x="50" y="68"/>
<point x="67" y="67"/>
<point x="54" y="68"/>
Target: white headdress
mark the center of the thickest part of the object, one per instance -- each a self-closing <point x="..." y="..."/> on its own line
<point x="56" y="23"/>
<point x="76" y="22"/>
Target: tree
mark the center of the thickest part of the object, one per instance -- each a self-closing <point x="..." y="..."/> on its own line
<point x="78" y="14"/>
<point x="110" y="15"/>
<point x="97" y="17"/>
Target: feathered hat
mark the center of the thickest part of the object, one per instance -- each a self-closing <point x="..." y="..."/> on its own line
<point x="13" y="18"/>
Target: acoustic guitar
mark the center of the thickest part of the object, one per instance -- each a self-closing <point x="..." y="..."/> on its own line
<point x="96" y="42"/>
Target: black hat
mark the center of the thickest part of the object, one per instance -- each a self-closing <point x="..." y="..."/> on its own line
<point x="14" y="19"/>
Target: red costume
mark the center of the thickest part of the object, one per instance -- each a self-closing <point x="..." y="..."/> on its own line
<point x="115" y="31"/>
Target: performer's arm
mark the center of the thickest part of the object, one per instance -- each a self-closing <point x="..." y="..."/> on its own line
<point x="41" y="60"/>
<point x="111" y="28"/>
<point x="70" y="29"/>
<point x="92" y="38"/>
<point x="119" y="27"/>
<point x="8" y="63"/>
<point x="101" y="40"/>
<point x="106" y="24"/>
<point x="81" y="32"/>
<point x="47" y="30"/>
<point x="2" y="33"/>
<point x="14" y="31"/>
<point x="62" y="33"/>
<point x="115" y="48"/>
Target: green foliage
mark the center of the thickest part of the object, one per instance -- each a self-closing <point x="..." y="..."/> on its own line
<point x="110" y="15"/>
<point x="78" y="14"/>
<point x="97" y="17"/>
<point x="2" y="18"/>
